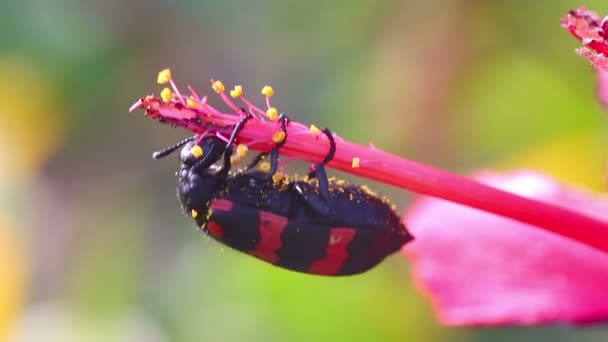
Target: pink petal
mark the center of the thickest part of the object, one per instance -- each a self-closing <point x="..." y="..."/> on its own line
<point x="602" y="85"/>
<point x="482" y="269"/>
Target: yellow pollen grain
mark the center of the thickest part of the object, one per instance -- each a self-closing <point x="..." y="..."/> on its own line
<point x="241" y="150"/>
<point x="237" y="91"/>
<point x="267" y="91"/>
<point x="314" y="129"/>
<point x="192" y="102"/>
<point x="196" y="151"/>
<point x="272" y="113"/>
<point x="166" y="94"/>
<point x="276" y="177"/>
<point x="218" y="87"/>
<point x="279" y="137"/>
<point x="194" y="213"/>
<point x="264" y="167"/>
<point x="356" y="163"/>
<point x="164" y="76"/>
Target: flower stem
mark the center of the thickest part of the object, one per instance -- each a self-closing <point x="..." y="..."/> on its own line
<point x="375" y="164"/>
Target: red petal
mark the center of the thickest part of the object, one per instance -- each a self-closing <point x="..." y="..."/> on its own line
<point x="482" y="269"/>
<point x="587" y="27"/>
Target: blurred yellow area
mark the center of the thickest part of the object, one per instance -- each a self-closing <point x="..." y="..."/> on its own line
<point x="578" y="158"/>
<point x="30" y="128"/>
<point x="13" y="275"/>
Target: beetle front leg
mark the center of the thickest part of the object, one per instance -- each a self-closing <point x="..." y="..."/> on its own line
<point x="237" y="129"/>
<point x="319" y="170"/>
<point x="274" y="153"/>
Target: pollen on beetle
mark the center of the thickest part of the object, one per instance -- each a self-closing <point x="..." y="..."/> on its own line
<point x="194" y="213"/>
<point x="278" y="137"/>
<point x="218" y="87"/>
<point x="235" y="159"/>
<point x="237" y="91"/>
<point x="356" y="163"/>
<point x="196" y="151"/>
<point x="192" y="102"/>
<point x="265" y="167"/>
<point x="166" y="94"/>
<point x="272" y="113"/>
<point x="164" y="76"/>
<point x="241" y="150"/>
<point x="314" y="129"/>
<point x="368" y="191"/>
<point x="267" y="91"/>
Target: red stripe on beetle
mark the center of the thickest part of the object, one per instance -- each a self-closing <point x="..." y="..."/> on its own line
<point x="215" y="229"/>
<point x="271" y="228"/>
<point x="335" y="253"/>
<point x="222" y="205"/>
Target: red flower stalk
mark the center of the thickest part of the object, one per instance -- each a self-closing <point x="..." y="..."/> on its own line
<point x="307" y="143"/>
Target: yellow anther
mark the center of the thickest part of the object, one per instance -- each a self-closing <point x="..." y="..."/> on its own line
<point x="192" y="102"/>
<point x="194" y="213"/>
<point x="264" y="167"/>
<point x="166" y="94"/>
<point x="196" y="151"/>
<point x="278" y="137"/>
<point x="314" y="129"/>
<point x="218" y="86"/>
<point x="356" y="163"/>
<point x="241" y="150"/>
<point x="237" y="91"/>
<point x="272" y="113"/>
<point x="164" y="76"/>
<point x="276" y="177"/>
<point x="267" y="91"/>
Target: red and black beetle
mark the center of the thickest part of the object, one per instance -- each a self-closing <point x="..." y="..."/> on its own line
<point x="314" y="224"/>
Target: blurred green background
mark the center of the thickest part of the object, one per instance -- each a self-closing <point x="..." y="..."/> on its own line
<point x="93" y="246"/>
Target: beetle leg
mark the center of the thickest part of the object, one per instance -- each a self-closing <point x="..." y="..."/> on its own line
<point x="237" y="129"/>
<point x="227" y="163"/>
<point x="274" y="153"/>
<point x="319" y="169"/>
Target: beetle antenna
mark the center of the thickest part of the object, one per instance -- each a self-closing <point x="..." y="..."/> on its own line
<point x="167" y="151"/>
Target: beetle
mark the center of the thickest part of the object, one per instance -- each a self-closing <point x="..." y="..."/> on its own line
<point x="312" y="224"/>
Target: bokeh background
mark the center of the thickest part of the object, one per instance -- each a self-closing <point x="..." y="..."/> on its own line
<point x="93" y="246"/>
